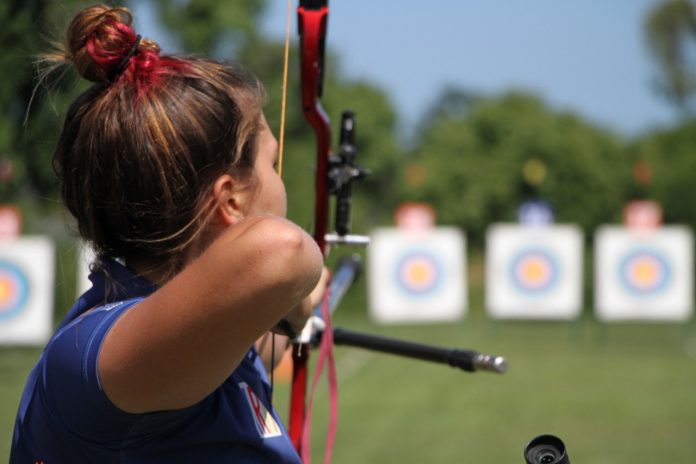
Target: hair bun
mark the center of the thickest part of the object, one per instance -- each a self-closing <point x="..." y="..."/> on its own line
<point x="99" y="39"/>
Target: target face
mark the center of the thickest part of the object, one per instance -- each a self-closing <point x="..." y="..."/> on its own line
<point x="418" y="273"/>
<point x="14" y="290"/>
<point x="644" y="272"/>
<point x="534" y="271"/>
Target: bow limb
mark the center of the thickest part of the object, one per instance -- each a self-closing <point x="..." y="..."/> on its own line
<point x="312" y="19"/>
<point x="312" y="23"/>
<point x="334" y="176"/>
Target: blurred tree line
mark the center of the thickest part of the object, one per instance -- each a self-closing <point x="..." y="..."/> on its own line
<point x="473" y="157"/>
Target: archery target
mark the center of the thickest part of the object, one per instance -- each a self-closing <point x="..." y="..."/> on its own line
<point x="533" y="272"/>
<point x="14" y="290"/>
<point x="26" y="290"/>
<point x="419" y="273"/>
<point x="416" y="275"/>
<point x="643" y="274"/>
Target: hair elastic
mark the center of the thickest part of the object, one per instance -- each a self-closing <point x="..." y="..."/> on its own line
<point x="124" y="62"/>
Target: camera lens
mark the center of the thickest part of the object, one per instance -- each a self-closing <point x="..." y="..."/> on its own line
<point x="542" y="454"/>
<point x="546" y="449"/>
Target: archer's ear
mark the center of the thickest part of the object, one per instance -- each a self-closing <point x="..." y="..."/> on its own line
<point x="228" y="198"/>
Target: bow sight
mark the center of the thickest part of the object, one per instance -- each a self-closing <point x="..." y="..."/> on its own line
<point x="341" y="174"/>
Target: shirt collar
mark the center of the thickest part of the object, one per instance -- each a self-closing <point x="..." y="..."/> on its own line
<point x="111" y="281"/>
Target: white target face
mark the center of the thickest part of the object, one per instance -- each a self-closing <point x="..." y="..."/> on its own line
<point x="26" y="290"/>
<point x="417" y="276"/>
<point x="643" y="274"/>
<point x="533" y="272"/>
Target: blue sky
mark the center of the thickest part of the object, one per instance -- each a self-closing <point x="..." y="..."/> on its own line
<point x="587" y="56"/>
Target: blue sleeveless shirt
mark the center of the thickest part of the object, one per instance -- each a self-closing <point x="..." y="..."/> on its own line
<point x="65" y="417"/>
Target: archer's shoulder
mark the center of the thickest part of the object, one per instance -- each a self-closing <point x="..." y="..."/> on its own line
<point x="267" y="227"/>
<point x="274" y="247"/>
<point x="273" y="233"/>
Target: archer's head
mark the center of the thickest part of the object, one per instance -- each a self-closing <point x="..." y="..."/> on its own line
<point x="142" y="149"/>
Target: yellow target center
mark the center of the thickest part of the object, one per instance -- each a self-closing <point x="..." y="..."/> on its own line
<point x="418" y="273"/>
<point x="533" y="272"/>
<point x="644" y="272"/>
<point x="5" y="290"/>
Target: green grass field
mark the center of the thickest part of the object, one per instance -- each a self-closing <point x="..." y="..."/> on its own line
<point x="620" y="393"/>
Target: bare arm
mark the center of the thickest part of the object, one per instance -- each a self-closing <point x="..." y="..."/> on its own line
<point x="183" y="341"/>
<point x="271" y="351"/>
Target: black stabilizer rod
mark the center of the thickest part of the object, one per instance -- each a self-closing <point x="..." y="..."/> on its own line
<point x="468" y="360"/>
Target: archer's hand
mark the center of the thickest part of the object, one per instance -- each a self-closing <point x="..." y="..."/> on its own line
<point x="297" y="317"/>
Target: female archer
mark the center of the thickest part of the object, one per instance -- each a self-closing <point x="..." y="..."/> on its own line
<point x="169" y="168"/>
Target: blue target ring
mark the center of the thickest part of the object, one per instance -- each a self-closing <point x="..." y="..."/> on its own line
<point x="645" y="272"/>
<point x="534" y="271"/>
<point x="14" y="290"/>
<point x="418" y="273"/>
